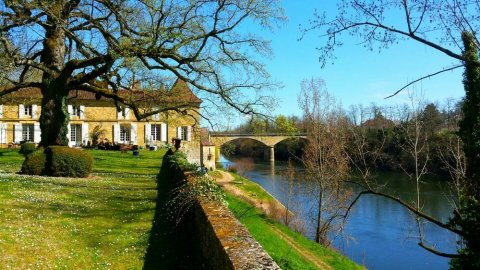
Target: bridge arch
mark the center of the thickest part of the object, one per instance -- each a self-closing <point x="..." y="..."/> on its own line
<point x="270" y="140"/>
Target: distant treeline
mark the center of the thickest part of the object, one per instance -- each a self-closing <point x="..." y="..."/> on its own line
<point x="393" y="137"/>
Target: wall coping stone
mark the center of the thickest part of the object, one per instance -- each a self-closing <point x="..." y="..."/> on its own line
<point x="242" y="250"/>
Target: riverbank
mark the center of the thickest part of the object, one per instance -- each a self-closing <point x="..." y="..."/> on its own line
<point x="259" y="212"/>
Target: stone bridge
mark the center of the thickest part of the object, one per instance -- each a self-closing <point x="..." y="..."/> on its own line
<point x="270" y="140"/>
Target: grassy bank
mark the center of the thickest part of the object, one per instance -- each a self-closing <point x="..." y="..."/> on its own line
<point x="288" y="248"/>
<point x="102" y="222"/>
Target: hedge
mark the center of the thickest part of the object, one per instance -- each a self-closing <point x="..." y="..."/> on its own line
<point x="58" y="161"/>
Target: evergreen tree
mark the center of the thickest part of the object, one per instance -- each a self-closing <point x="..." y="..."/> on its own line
<point x="467" y="217"/>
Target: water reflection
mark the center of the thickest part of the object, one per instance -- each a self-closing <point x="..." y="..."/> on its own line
<point x="272" y="168"/>
<point x="382" y="234"/>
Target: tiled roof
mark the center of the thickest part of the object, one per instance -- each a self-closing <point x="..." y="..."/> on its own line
<point x="180" y="93"/>
<point x="207" y="143"/>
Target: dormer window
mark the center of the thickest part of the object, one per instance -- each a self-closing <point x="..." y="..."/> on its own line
<point x="76" y="111"/>
<point x="123" y="113"/>
<point x="28" y="110"/>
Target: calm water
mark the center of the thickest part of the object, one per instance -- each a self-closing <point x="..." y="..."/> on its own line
<point x="381" y="234"/>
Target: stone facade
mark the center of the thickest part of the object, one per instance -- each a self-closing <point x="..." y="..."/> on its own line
<point x="208" y="155"/>
<point x="19" y="121"/>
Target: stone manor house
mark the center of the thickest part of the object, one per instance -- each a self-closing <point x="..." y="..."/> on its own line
<point x="20" y="111"/>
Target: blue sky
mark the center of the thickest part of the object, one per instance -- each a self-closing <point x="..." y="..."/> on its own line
<point x="357" y="76"/>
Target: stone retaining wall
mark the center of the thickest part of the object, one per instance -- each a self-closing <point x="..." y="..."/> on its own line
<point x="225" y="243"/>
<point x="220" y="240"/>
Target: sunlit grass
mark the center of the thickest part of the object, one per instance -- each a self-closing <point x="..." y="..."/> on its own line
<point x="102" y="222"/>
<point x="263" y="229"/>
<point x="251" y="188"/>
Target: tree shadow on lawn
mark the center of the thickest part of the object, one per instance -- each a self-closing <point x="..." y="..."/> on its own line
<point x="171" y="245"/>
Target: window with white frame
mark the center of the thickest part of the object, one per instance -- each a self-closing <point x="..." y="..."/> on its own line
<point x="155" y="132"/>
<point x="76" y="110"/>
<point x="125" y="133"/>
<point x="28" y="110"/>
<point x="76" y="133"/>
<point x="184" y="133"/>
<point x="27" y="132"/>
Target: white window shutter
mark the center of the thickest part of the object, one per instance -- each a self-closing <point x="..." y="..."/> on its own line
<point x="1" y="110"/>
<point x="119" y="115"/>
<point x="85" y="133"/>
<point x="21" y="110"/>
<point x="69" y="134"/>
<point x="70" y="109"/>
<point x="179" y="132"/>
<point x="116" y="133"/>
<point x="34" y="111"/>
<point x="127" y="113"/>
<point x="3" y="132"/>
<point x="17" y="133"/>
<point x="163" y="132"/>
<point x="82" y="112"/>
<point x="189" y="133"/>
<point x="133" y="133"/>
<point x="148" y="133"/>
<point x="37" y="133"/>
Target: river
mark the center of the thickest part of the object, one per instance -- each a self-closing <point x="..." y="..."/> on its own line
<point x="379" y="234"/>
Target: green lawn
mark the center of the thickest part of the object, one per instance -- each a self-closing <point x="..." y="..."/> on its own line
<point x="102" y="222"/>
<point x="265" y="231"/>
<point x="251" y="188"/>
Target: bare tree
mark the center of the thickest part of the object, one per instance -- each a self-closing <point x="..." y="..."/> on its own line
<point x="289" y="191"/>
<point x="414" y="142"/>
<point x="437" y="24"/>
<point x="106" y="46"/>
<point x="325" y="158"/>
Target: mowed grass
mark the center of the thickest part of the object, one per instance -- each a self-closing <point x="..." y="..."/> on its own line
<point x="265" y="231"/>
<point x="251" y="188"/>
<point x="102" y="222"/>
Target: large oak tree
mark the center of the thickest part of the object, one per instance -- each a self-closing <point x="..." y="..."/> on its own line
<point x="104" y="46"/>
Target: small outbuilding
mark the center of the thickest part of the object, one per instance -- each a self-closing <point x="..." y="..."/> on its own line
<point x="207" y="152"/>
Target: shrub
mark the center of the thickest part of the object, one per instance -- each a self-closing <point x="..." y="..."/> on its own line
<point x="27" y="148"/>
<point x="179" y="159"/>
<point x="70" y="162"/>
<point x="232" y="169"/>
<point x="34" y="163"/>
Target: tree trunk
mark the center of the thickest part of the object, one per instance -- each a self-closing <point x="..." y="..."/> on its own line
<point x="54" y="117"/>
<point x="319" y="216"/>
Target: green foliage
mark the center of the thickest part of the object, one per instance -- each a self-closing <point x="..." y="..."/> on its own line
<point x="283" y="125"/>
<point x="206" y="187"/>
<point x="246" y="147"/>
<point x="96" y="134"/>
<point x="266" y="232"/>
<point x="191" y="187"/>
<point x="467" y="220"/>
<point x="469" y="130"/>
<point x="34" y="163"/>
<point x="468" y="216"/>
<point x="68" y="162"/>
<point x="179" y="159"/>
<point x="232" y="169"/>
<point x="27" y="148"/>
<point x="258" y="125"/>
